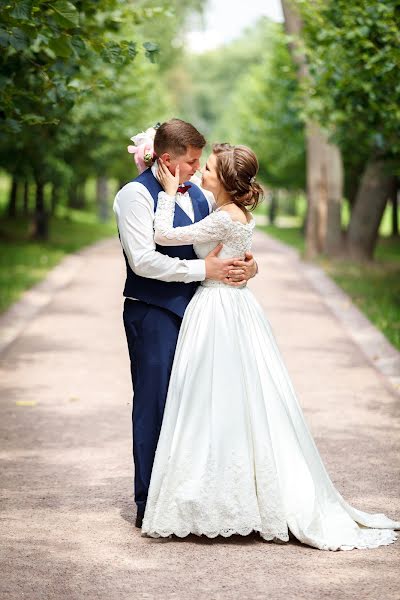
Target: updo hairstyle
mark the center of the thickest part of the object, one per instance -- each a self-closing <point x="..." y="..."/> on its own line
<point x="237" y="167"/>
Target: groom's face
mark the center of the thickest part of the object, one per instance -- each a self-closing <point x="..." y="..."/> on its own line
<point x="188" y="163"/>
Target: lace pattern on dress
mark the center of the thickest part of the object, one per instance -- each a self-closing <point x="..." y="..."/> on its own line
<point x="217" y="227"/>
<point x="210" y="506"/>
<point x="219" y="284"/>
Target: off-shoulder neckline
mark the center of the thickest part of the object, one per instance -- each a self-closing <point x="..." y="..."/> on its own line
<point x="251" y="223"/>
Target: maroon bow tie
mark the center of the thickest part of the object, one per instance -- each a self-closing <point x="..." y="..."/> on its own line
<point x="183" y="188"/>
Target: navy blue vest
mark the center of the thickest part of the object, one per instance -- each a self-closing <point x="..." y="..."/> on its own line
<point x="174" y="296"/>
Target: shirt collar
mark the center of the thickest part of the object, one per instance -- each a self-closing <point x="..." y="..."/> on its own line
<point x="154" y="168"/>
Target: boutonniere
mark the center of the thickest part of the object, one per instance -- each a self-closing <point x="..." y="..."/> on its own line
<point x="143" y="150"/>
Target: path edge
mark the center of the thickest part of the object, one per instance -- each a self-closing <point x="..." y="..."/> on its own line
<point x="36" y="298"/>
<point x="373" y="344"/>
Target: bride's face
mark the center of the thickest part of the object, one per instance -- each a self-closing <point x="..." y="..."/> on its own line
<point x="210" y="179"/>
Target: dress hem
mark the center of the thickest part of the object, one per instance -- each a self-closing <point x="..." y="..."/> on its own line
<point x="284" y="538"/>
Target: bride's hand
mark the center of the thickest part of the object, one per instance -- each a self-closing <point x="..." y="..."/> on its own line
<point x="169" y="182"/>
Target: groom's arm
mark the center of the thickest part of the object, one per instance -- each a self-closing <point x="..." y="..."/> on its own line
<point x="134" y="211"/>
<point x="248" y="267"/>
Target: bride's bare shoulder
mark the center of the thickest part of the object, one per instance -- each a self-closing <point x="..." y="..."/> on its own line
<point x="236" y="213"/>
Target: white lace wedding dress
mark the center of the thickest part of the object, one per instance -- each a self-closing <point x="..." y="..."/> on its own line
<point x="235" y="454"/>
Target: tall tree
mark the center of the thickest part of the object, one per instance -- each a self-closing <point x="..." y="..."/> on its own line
<point x="261" y="112"/>
<point x="44" y="47"/>
<point x="78" y="78"/>
<point x="354" y="57"/>
<point x="324" y="162"/>
<point x="245" y="94"/>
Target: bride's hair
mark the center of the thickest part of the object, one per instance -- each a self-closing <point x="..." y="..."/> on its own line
<point x="237" y="167"/>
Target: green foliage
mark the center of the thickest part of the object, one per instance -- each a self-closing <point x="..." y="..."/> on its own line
<point x="63" y="52"/>
<point x="353" y="49"/>
<point x="244" y="94"/>
<point x="292" y="236"/>
<point x="78" y="80"/>
<point x="96" y="137"/>
<point x="375" y="289"/>
<point x="43" y="47"/>
<point x="263" y="114"/>
<point x="202" y="85"/>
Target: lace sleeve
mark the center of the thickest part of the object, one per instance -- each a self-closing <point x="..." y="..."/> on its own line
<point x="212" y="228"/>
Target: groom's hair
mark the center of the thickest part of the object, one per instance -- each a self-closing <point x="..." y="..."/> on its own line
<point x="175" y="136"/>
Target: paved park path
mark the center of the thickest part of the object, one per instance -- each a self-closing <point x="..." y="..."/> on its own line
<point x="67" y="511"/>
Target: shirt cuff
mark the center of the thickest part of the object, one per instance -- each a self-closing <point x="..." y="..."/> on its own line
<point x="197" y="269"/>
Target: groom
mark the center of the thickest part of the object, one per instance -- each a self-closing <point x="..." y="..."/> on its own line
<point x="160" y="283"/>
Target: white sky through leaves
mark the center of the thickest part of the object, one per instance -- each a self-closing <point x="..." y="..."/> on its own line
<point x="224" y="20"/>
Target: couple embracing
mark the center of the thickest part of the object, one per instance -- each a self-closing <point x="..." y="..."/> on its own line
<point x="220" y="443"/>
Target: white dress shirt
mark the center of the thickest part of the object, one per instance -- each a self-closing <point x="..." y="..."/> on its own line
<point x="134" y="212"/>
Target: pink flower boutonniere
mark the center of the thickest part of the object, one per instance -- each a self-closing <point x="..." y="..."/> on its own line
<point x="143" y="150"/>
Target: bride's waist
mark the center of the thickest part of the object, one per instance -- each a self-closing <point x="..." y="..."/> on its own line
<point x="212" y="283"/>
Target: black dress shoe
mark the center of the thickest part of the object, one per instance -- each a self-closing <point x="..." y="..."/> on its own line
<point x="139" y="518"/>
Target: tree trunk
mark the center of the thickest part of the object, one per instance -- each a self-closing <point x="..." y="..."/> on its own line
<point x="291" y="205"/>
<point x="76" y="196"/>
<point x="55" y="194"/>
<point x="293" y="27"/>
<point x="102" y="198"/>
<point x="333" y="242"/>
<point x="352" y="185"/>
<point x="26" y="197"/>
<point x="41" y="218"/>
<point x="394" y="197"/>
<point x="324" y="165"/>
<point x="71" y="196"/>
<point x="81" y="196"/>
<point x="12" y="200"/>
<point x="272" y="207"/>
<point x="374" y="191"/>
<point x="315" y="190"/>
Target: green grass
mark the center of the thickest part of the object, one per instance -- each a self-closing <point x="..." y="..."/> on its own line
<point x="373" y="287"/>
<point x="289" y="235"/>
<point x="299" y="202"/>
<point x="24" y="262"/>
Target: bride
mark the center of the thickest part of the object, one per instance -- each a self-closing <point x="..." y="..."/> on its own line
<point x="235" y="453"/>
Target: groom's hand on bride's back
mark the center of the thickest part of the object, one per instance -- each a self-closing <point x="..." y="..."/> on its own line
<point x="218" y="268"/>
<point x="230" y="270"/>
<point x="247" y="267"/>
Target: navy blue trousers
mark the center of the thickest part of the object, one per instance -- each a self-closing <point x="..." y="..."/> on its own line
<point x="151" y="333"/>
